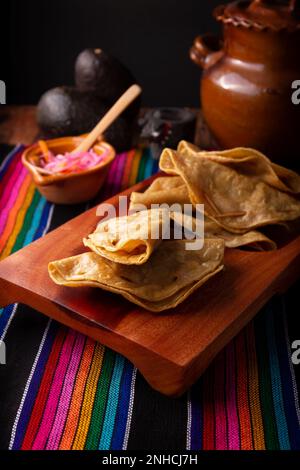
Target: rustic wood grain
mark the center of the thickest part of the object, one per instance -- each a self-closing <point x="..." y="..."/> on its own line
<point x="171" y="349"/>
<point x="18" y="125"/>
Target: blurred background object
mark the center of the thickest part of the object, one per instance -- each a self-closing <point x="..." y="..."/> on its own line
<point x="248" y="71"/>
<point x="165" y="127"/>
<point x="100" y="80"/>
<point x="150" y="37"/>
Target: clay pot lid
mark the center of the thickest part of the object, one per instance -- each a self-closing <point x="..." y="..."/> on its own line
<point x="262" y="15"/>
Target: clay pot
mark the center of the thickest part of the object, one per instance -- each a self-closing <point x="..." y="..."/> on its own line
<point x="71" y="188"/>
<point x="246" y="86"/>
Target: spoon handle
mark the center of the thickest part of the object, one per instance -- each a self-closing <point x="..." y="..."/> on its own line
<point x="111" y="115"/>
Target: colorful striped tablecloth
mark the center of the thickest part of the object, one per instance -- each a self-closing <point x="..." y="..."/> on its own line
<point x="62" y="390"/>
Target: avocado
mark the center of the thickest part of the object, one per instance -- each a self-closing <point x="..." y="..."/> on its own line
<point x="100" y="72"/>
<point x="66" y="111"/>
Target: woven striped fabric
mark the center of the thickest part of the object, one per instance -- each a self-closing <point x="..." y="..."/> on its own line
<point x="62" y="390"/>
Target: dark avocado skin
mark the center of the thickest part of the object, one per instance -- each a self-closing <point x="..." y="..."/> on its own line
<point x="97" y="71"/>
<point x="100" y="80"/>
<point x="65" y="111"/>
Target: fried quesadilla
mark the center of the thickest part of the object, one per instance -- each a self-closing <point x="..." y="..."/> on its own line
<point x="129" y="239"/>
<point x="240" y="188"/>
<point x="164" y="190"/>
<point x="170" y="275"/>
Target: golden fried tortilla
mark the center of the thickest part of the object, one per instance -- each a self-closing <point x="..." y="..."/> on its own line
<point x="239" y="188"/>
<point x="169" y="277"/>
<point x="129" y="239"/>
<point x="164" y="190"/>
<point x="249" y="162"/>
<point x="253" y="239"/>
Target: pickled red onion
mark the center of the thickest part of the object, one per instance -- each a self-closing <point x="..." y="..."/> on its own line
<point x="72" y="163"/>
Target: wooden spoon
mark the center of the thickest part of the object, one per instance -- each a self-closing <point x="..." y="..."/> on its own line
<point x="122" y="103"/>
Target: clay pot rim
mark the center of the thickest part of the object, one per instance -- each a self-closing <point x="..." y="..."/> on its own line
<point x="222" y="14"/>
<point x="43" y="180"/>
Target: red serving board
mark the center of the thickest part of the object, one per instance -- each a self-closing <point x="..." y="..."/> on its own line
<point x="170" y="349"/>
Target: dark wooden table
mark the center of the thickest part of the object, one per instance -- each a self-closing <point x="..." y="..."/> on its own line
<point x="18" y="125"/>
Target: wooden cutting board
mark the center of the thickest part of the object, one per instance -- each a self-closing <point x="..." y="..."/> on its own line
<point x="171" y="349"/>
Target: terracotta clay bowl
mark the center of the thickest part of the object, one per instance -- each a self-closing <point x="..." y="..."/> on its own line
<point x="69" y="188"/>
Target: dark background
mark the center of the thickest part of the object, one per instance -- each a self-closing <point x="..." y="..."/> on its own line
<point x="152" y="37"/>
